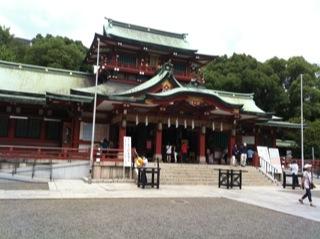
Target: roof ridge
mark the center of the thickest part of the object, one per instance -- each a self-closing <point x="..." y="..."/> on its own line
<point x="146" y="29"/>
<point x="233" y="94"/>
<point x="45" y="68"/>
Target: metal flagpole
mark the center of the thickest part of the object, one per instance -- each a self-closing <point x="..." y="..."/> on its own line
<point x="94" y="114"/>
<point x="302" y="148"/>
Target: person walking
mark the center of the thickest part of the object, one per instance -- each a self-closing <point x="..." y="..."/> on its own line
<point x="307" y="184"/>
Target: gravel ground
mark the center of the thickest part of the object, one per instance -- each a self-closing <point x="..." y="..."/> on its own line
<point x="148" y="218"/>
<point x="16" y="185"/>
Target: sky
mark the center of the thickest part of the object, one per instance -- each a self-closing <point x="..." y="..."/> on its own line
<point x="260" y="28"/>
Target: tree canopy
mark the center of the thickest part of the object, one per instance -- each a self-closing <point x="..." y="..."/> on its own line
<point x="51" y="51"/>
<point x="276" y="87"/>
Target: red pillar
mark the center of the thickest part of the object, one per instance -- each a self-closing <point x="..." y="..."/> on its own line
<point x="202" y="145"/>
<point x="158" y="144"/>
<point x="122" y="133"/>
<point x="231" y="142"/>
<point x="76" y="133"/>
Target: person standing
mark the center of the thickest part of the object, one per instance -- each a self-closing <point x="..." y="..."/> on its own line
<point x="294" y="168"/>
<point x="174" y="154"/>
<point x="168" y="152"/>
<point x="184" y="152"/>
<point x="250" y="154"/>
<point x="243" y="154"/>
<point x="307" y="184"/>
<point x="235" y="153"/>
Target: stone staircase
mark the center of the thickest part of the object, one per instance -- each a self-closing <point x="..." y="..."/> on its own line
<point x="202" y="174"/>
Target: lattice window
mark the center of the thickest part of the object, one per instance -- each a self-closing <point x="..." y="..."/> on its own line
<point x="53" y="130"/>
<point x="179" y="67"/>
<point x="4" y="123"/>
<point x="28" y="128"/>
<point x="127" y="59"/>
<point x="86" y="131"/>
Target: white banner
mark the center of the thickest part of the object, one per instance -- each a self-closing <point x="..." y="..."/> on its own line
<point x="127" y="151"/>
<point x="263" y="153"/>
<point x="275" y="159"/>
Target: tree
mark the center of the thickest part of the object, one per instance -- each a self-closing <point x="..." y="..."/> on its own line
<point x="59" y="52"/>
<point x="242" y="73"/>
<point x="311" y="134"/>
<point x="6" y="51"/>
<point x="311" y="88"/>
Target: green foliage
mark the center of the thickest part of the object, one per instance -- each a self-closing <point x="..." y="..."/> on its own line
<point x="59" y="52"/>
<point x="276" y="86"/>
<point x="311" y="134"/>
<point x="242" y="73"/>
<point x="5" y="36"/>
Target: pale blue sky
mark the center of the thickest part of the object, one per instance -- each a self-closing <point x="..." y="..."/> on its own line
<point x="261" y="28"/>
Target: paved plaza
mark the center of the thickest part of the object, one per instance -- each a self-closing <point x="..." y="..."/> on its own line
<point x="204" y="217"/>
<point x="76" y="209"/>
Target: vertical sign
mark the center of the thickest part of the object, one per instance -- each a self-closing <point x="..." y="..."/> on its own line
<point x="275" y="159"/>
<point x="127" y="151"/>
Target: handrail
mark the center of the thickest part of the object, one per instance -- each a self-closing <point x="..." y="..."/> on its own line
<point x="268" y="169"/>
<point x="9" y="152"/>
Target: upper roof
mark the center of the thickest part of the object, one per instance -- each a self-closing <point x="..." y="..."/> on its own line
<point x="35" y="83"/>
<point x="137" y="33"/>
<point x="165" y="73"/>
<point x="244" y="102"/>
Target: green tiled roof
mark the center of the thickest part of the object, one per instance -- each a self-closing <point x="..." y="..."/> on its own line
<point x="107" y="88"/>
<point x="243" y="101"/>
<point x="163" y="74"/>
<point x="11" y="97"/>
<point x="281" y="124"/>
<point x="37" y="79"/>
<point x="146" y="35"/>
<point x="286" y="143"/>
<point x="70" y="98"/>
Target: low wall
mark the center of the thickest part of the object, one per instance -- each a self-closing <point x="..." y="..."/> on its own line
<point x="61" y="170"/>
<point x="111" y="170"/>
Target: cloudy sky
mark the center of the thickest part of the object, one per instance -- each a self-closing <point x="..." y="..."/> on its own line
<point x="261" y="28"/>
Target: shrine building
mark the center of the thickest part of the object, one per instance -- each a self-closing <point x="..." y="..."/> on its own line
<point x="150" y="87"/>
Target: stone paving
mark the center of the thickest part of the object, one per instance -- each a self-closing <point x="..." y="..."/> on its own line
<point x="271" y="197"/>
<point x="186" y="218"/>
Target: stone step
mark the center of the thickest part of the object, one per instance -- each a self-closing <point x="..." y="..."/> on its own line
<point x="195" y="174"/>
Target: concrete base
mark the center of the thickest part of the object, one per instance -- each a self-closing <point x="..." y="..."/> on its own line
<point x="159" y="156"/>
<point x="110" y="171"/>
<point x="202" y="160"/>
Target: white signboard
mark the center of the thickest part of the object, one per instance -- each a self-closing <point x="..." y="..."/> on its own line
<point x="275" y="159"/>
<point x="263" y="153"/>
<point x="127" y="151"/>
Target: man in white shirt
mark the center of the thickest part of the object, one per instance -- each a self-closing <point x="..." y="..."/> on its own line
<point x="168" y="153"/>
<point x="294" y="167"/>
<point x="306" y="183"/>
